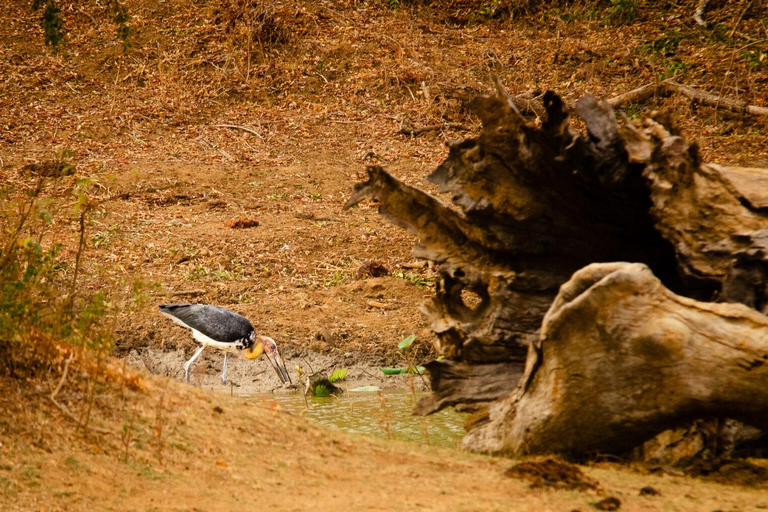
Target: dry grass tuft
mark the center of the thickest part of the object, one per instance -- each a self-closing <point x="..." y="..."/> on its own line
<point x="242" y="223"/>
<point x="253" y="22"/>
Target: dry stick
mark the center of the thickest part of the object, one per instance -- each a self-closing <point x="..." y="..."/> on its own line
<point x="419" y="131"/>
<point x="733" y="57"/>
<point x="425" y="91"/>
<point x="502" y="91"/>
<point x="85" y="13"/>
<point x="528" y="105"/>
<point x="698" y="15"/>
<point x="744" y="12"/>
<point x="64" y="409"/>
<point x="160" y="424"/>
<point x="634" y="96"/>
<point x="125" y="435"/>
<point x="706" y="98"/>
<point x="238" y="127"/>
<point x="77" y="261"/>
<point x="191" y="293"/>
<point x="703" y="97"/>
<point x="92" y="395"/>
<point x="25" y="212"/>
<point x="63" y="377"/>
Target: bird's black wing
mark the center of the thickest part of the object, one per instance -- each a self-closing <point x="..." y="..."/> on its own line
<point x="215" y="322"/>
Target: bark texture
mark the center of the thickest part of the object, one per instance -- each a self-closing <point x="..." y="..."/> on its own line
<point x="535" y="202"/>
<point x="620" y="359"/>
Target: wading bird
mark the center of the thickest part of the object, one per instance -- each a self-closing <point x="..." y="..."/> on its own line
<point x="226" y="331"/>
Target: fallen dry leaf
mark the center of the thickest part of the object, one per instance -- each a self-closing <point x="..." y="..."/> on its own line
<point x="242" y="223"/>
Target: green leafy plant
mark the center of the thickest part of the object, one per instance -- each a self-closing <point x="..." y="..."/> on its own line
<point x="666" y="44"/>
<point x="404" y="350"/>
<point x="366" y="389"/>
<point x="756" y="57"/>
<point x="53" y="23"/>
<point x="414" y="279"/>
<point x="120" y="17"/>
<point x="632" y="110"/>
<point x="406" y="342"/>
<point x="42" y="304"/>
<point x="338" y="375"/>
<point x="320" y="385"/>
<point x="673" y="69"/>
<point x="622" y="11"/>
<point x="321" y="391"/>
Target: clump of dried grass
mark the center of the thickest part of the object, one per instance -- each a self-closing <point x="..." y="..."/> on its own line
<point x="253" y="21"/>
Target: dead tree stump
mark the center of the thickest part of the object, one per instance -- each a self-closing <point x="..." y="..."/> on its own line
<point x="620" y="359"/>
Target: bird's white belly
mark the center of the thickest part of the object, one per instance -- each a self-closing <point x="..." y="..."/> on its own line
<point x="205" y="340"/>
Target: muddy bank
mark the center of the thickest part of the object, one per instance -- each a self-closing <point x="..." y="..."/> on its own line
<point x="257" y="376"/>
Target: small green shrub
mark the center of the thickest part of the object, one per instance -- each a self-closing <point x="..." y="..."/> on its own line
<point x="321" y="390"/>
<point x="622" y="11"/>
<point x="42" y="304"/>
<point x="53" y="23"/>
<point x="338" y="375"/>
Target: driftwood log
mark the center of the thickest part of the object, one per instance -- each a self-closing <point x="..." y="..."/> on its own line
<point x="621" y="358"/>
<point x="532" y="204"/>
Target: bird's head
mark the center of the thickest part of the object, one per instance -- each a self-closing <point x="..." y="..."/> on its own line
<point x="266" y="345"/>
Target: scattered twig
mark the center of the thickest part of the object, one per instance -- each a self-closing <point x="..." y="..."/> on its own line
<point x="91" y="395"/>
<point x="634" y="96"/>
<point x="80" y="247"/>
<point x="418" y="131"/>
<point x="733" y="57"/>
<point x="160" y="424"/>
<point x="741" y="17"/>
<point x="529" y="104"/>
<point x="63" y="377"/>
<point x="238" y="127"/>
<point x="705" y="98"/>
<point x="86" y="14"/>
<point x="26" y="210"/>
<point x="189" y="293"/>
<point x="698" y="15"/>
<point x="425" y="91"/>
<point x="502" y="91"/>
<point x="62" y="407"/>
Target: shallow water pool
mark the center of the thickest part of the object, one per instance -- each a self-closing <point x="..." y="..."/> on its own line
<point x="384" y="414"/>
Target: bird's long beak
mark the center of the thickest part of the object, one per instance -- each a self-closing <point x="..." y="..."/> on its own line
<point x="277" y="363"/>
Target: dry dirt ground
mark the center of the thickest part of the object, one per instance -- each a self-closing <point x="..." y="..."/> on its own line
<point x="176" y="448"/>
<point x="315" y="91"/>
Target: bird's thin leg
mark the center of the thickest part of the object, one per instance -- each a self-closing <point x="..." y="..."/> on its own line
<point x="189" y="363"/>
<point x="224" y="369"/>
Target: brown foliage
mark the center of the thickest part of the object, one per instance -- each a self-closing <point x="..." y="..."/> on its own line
<point x="551" y="473"/>
<point x="242" y="223"/>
